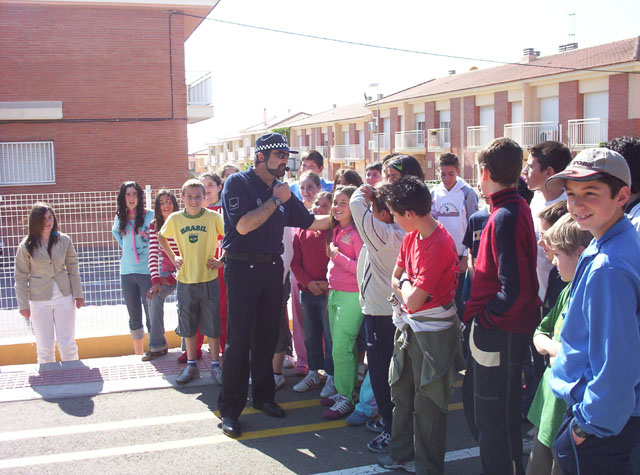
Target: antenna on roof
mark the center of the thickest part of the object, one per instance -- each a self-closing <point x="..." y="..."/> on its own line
<point x="573" y="35"/>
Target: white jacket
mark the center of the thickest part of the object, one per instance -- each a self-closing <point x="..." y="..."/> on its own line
<point x="378" y="257"/>
<point x="453" y="208"/>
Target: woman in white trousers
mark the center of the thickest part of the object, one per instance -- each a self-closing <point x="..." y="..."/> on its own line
<point x="48" y="287"/>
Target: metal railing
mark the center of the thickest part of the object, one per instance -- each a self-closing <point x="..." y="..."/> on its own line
<point x="377" y="141"/>
<point x="479" y="136"/>
<point x="342" y="153"/>
<point x="324" y="151"/>
<point x="199" y="91"/>
<point x="87" y="217"/>
<point x="528" y="134"/>
<point x="410" y="140"/>
<point x="231" y="156"/>
<point x="584" y="133"/>
<point x="439" y="139"/>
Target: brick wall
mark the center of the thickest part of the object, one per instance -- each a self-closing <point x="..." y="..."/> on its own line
<point x="394" y="125"/>
<point x="619" y="122"/>
<point x="456" y="119"/>
<point x="471" y="118"/>
<point x="502" y="112"/>
<point x="431" y="121"/>
<point x="102" y="63"/>
<point x="570" y="104"/>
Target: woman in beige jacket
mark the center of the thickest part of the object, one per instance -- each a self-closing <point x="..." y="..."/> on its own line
<point x="48" y="286"/>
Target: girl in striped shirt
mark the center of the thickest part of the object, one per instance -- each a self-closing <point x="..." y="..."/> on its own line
<point x="162" y="271"/>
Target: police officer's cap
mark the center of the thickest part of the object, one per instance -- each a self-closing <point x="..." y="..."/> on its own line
<point x="273" y="141"/>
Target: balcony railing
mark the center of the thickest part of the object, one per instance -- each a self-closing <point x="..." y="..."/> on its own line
<point x="342" y="153"/>
<point x="410" y="140"/>
<point x="199" y="91"/>
<point x="439" y="140"/>
<point x="376" y="142"/>
<point x="528" y="134"/>
<point x="324" y="151"/>
<point x="585" y="133"/>
<point x="479" y="136"/>
<point x="231" y="156"/>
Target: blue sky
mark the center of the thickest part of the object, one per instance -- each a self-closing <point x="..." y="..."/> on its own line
<point x="253" y="70"/>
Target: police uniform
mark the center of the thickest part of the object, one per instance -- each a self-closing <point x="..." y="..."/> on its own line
<point x="253" y="274"/>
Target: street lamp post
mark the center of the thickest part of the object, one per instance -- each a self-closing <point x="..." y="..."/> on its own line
<point x="378" y="96"/>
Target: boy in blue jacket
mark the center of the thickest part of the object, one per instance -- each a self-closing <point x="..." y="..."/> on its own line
<point x="596" y="372"/>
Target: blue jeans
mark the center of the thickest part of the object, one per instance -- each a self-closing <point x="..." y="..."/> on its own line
<point x="157" y="341"/>
<point x="134" y="291"/>
<point x="316" y="324"/>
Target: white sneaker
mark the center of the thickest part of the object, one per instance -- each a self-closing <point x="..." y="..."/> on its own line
<point x="279" y="379"/>
<point x="289" y="362"/>
<point x="310" y="381"/>
<point x="329" y="388"/>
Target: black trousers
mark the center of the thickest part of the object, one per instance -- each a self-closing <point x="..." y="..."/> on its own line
<point x="254" y="303"/>
<point x="492" y="392"/>
<point x="380" y="333"/>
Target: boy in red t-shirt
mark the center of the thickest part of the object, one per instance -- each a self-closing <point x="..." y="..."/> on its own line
<point x="427" y="354"/>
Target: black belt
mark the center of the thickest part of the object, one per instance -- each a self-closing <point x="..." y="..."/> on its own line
<point x="251" y="257"/>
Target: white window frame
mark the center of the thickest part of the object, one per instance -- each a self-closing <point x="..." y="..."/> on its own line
<point x="13" y="173"/>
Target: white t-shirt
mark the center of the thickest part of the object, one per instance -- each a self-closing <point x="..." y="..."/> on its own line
<point x="543" y="267"/>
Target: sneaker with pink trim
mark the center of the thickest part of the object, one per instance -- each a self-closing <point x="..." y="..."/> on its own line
<point x="342" y="407"/>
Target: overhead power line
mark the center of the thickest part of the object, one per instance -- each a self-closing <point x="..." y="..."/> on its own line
<point x="399" y="50"/>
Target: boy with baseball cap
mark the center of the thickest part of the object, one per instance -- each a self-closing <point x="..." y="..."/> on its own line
<point x="596" y="373"/>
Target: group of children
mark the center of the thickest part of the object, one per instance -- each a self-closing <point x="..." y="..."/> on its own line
<point x="411" y="263"/>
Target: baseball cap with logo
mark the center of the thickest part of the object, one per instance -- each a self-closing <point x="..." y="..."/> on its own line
<point x="593" y="163"/>
<point x="273" y="141"/>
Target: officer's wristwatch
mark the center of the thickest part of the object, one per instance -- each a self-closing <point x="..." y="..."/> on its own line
<point x="578" y="431"/>
<point x="277" y="201"/>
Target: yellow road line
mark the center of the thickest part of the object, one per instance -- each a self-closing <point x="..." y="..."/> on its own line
<point x="286" y="405"/>
<point x="148" y="421"/>
<point x="161" y="446"/>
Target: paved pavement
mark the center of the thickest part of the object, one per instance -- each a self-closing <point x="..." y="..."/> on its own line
<point x="120" y="415"/>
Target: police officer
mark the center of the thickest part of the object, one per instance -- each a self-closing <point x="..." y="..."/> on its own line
<point x="257" y="207"/>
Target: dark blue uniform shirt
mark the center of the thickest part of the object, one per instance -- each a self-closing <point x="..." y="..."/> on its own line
<point x="244" y="192"/>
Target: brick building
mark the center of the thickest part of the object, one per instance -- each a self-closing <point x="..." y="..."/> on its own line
<point x="581" y="97"/>
<point x="93" y="93"/>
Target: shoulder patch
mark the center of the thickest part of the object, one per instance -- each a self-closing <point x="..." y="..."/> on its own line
<point x="234" y="203"/>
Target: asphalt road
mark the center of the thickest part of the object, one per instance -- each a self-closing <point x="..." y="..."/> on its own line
<point x="177" y="431"/>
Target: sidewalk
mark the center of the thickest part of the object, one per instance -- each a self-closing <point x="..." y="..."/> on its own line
<point x="94" y="376"/>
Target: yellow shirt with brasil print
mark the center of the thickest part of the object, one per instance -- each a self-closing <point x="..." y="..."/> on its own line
<point x="197" y="240"/>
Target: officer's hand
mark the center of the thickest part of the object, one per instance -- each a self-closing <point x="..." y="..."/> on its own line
<point x="282" y="191"/>
<point x="25" y="312"/>
<point x="79" y="302"/>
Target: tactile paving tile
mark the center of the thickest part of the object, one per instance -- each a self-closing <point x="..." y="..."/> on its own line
<point x="143" y="369"/>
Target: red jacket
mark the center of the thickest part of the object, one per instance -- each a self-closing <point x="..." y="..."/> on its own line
<point x="504" y="290"/>
<point x="310" y="258"/>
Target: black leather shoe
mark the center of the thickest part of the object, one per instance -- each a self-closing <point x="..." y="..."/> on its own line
<point x="271" y="408"/>
<point x="231" y="427"/>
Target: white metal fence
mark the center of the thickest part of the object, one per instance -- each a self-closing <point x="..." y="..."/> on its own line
<point x="87" y="217"/>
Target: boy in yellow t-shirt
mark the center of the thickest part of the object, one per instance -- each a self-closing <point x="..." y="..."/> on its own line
<point x="195" y="230"/>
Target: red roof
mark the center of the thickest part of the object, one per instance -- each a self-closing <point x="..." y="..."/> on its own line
<point x="596" y="57"/>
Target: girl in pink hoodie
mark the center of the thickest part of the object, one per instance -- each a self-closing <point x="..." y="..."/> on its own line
<point x="345" y="315"/>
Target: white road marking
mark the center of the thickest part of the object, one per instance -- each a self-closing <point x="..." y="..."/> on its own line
<point x="461" y="454"/>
